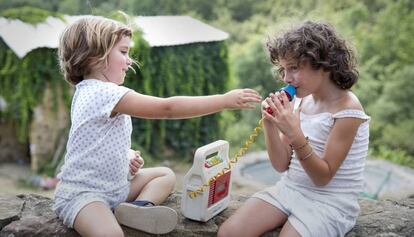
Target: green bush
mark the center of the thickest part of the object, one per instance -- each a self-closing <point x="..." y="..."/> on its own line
<point x="397" y="156"/>
<point x="193" y="69"/>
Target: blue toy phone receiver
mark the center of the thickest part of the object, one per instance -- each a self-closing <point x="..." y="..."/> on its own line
<point x="290" y="93"/>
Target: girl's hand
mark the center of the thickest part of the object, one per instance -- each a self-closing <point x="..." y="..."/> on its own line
<point x="265" y="107"/>
<point x="241" y="98"/>
<point x="135" y="163"/>
<point x="287" y="121"/>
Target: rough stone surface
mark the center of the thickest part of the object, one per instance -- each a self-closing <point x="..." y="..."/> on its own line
<point x="31" y="215"/>
<point x="10" y="209"/>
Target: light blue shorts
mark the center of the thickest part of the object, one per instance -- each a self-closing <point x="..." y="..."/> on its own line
<point x="310" y="217"/>
<point x="68" y="209"/>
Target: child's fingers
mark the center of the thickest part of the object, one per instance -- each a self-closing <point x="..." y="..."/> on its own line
<point x="270" y="102"/>
<point x="264" y="104"/>
<point x="245" y="101"/>
<point x="251" y="92"/>
<point x="285" y="100"/>
<point x="137" y="162"/>
<point x="277" y="101"/>
<point x="268" y="116"/>
<point x="252" y="99"/>
<point x="140" y="161"/>
<point x="297" y="113"/>
<point x="139" y="158"/>
<point x="133" y="169"/>
<point x="134" y="163"/>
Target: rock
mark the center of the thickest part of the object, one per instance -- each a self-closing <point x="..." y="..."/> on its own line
<point x="10" y="209"/>
<point x="385" y="218"/>
<point x="31" y="215"/>
<point x="35" y="218"/>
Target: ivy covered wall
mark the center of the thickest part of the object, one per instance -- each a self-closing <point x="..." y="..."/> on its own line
<point x="192" y="69"/>
<point x="23" y="81"/>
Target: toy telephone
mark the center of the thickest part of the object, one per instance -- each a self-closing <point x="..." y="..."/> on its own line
<point x="207" y="185"/>
<point x="209" y="160"/>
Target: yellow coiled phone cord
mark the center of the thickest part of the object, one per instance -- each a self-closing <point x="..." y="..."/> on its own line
<point x="242" y="151"/>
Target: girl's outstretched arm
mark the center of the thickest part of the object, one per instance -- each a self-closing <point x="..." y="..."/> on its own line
<point x="180" y="107"/>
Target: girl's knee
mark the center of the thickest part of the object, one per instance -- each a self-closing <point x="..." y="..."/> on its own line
<point x="169" y="174"/>
<point x="228" y="229"/>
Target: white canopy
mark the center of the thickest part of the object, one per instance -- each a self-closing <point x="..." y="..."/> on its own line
<point x="177" y="30"/>
<point x="23" y="37"/>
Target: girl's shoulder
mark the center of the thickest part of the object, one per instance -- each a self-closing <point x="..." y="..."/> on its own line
<point x="351" y="102"/>
<point x="347" y="106"/>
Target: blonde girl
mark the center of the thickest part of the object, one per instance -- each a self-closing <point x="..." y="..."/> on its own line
<point x="93" y="55"/>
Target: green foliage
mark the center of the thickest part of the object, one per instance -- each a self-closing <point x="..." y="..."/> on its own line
<point x="253" y="69"/>
<point x="384" y="41"/>
<point x="394" y="121"/>
<point x="396" y="100"/>
<point x="399" y="136"/>
<point x="28" y="14"/>
<point x="239" y="129"/>
<point x="391" y="34"/>
<point x="195" y="69"/>
<point x="380" y="30"/>
<point x="22" y="83"/>
<point x="397" y="156"/>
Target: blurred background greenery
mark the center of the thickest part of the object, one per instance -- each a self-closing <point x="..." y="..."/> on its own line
<point x="381" y="31"/>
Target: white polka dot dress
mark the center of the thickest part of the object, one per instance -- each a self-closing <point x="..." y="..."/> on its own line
<point x="96" y="158"/>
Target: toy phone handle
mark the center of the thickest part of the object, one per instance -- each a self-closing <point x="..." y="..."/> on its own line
<point x="220" y="146"/>
<point x="290" y="93"/>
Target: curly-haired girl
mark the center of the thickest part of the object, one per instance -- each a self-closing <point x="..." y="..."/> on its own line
<point x="321" y="146"/>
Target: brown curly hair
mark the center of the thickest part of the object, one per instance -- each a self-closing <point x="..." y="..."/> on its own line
<point x="322" y="47"/>
<point x="86" y="43"/>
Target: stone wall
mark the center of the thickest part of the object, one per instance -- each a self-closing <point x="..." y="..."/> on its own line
<point x="11" y="150"/>
<point x="31" y="215"/>
<point x="47" y="135"/>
